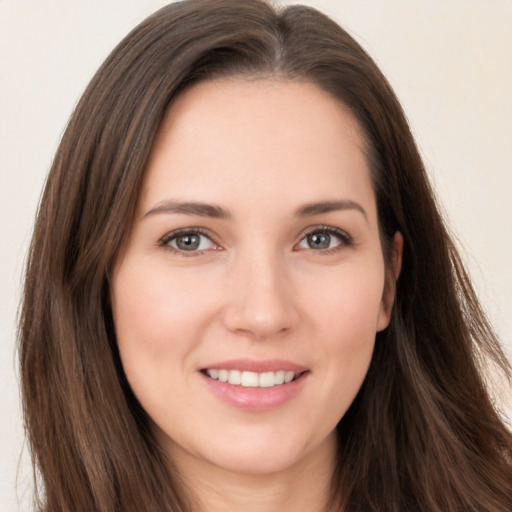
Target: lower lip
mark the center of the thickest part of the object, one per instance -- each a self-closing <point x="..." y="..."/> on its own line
<point x="256" y="399"/>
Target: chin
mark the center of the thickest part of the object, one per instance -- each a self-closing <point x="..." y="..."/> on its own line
<point x="267" y="451"/>
<point x="248" y="461"/>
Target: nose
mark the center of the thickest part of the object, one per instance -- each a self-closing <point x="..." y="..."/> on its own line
<point x="262" y="303"/>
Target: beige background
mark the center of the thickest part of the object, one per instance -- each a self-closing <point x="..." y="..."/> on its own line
<point x="450" y="62"/>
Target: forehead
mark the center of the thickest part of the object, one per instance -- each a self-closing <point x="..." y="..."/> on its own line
<point x="255" y="139"/>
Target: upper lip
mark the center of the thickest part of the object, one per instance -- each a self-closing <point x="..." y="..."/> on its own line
<point x="262" y="366"/>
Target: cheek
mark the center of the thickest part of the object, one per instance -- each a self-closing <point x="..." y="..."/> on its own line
<point x="351" y="303"/>
<point x="157" y="317"/>
<point x="153" y="305"/>
<point x="346" y="321"/>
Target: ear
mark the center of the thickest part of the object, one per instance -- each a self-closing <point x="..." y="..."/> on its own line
<point x="392" y="274"/>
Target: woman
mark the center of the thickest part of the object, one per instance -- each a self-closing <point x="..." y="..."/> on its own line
<point x="240" y="292"/>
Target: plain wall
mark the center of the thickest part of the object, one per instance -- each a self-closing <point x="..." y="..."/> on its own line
<point x="450" y="63"/>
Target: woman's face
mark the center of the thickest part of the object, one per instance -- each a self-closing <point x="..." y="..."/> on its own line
<point x="254" y="258"/>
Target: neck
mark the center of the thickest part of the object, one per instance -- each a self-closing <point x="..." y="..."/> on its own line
<point x="304" y="486"/>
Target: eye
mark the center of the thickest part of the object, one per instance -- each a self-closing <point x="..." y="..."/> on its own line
<point x="324" y="239"/>
<point x="188" y="241"/>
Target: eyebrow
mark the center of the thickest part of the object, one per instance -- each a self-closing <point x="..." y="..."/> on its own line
<point x="311" y="209"/>
<point x="218" y="212"/>
<point x="189" y="208"/>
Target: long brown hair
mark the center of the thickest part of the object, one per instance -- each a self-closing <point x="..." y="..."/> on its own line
<point x="422" y="434"/>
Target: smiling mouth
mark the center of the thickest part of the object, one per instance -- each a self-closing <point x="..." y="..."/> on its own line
<point x="253" y="379"/>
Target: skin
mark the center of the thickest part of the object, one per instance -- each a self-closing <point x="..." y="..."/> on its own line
<point x="256" y="288"/>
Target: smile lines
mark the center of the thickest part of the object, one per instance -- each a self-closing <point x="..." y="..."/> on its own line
<point x="252" y="379"/>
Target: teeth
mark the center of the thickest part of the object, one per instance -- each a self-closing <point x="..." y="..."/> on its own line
<point x="267" y="380"/>
<point x="214" y="374"/>
<point x="252" y="379"/>
<point x="249" y="380"/>
<point x="235" y="377"/>
<point x="288" y="376"/>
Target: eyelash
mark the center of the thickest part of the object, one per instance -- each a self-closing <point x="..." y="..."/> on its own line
<point x="345" y="239"/>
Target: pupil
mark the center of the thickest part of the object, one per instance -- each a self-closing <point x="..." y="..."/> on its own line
<point x="188" y="242"/>
<point x="319" y="240"/>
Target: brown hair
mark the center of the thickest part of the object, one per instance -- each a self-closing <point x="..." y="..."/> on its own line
<point x="421" y="435"/>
